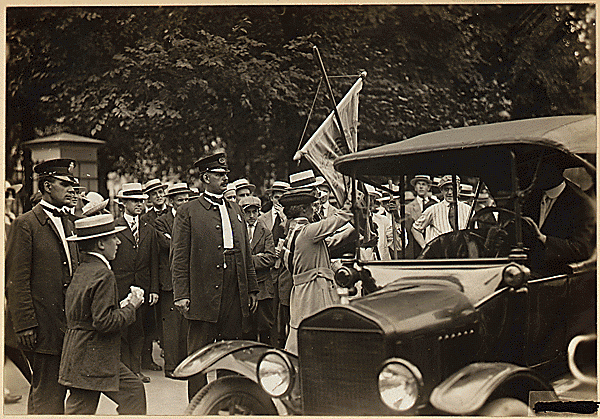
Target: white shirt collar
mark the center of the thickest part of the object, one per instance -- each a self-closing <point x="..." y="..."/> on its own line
<point x="212" y="195"/>
<point x="102" y="258"/>
<point x="160" y="209"/>
<point x="556" y="191"/>
<point x="130" y="218"/>
<point x="48" y="206"/>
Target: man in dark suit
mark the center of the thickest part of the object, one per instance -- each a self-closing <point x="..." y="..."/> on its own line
<point x="174" y="326"/>
<point x="157" y="206"/>
<point x="562" y="221"/>
<point x="263" y="259"/>
<point x="275" y="220"/>
<point x="90" y="362"/>
<point x="214" y="282"/>
<point x="39" y="266"/>
<point x="136" y="264"/>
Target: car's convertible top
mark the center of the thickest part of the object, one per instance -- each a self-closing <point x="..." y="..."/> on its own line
<point x="482" y="150"/>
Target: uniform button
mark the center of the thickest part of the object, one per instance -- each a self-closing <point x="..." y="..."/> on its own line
<point x="218" y="266"/>
<point x="219" y="246"/>
<point x="64" y="263"/>
<point x="215" y="208"/>
<point x="65" y="285"/>
<point x="216" y="286"/>
<point x="218" y="226"/>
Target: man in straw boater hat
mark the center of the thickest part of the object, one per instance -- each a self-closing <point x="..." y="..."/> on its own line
<point x="307" y="258"/>
<point x="90" y="362"/>
<point x="243" y="188"/>
<point x="39" y="266"/>
<point x="214" y="282"/>
<point x="263" y="259"/>
<point x="174" y="325"/>
<point x="136" y="264"/>
<point x="155" y="190"/>
<point x="423" y="200"/>
<point x="275" y="220"/>
<point x="441" y="217"/>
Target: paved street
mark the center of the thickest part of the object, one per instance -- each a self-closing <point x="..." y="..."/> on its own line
<point x="164" y="396"/>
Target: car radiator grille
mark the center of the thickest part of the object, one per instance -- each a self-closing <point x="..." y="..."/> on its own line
<point x="339" y="371"/>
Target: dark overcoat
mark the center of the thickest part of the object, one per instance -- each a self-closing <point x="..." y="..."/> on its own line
<point x="136" y="264"/>
<point x="91" y="351"/>
<point x="164" y="230"/>
<point x="37" y="275"/>
<point x="263" y="258"/>
<point x="570" y="227"/>
<point x="197" y="258"/>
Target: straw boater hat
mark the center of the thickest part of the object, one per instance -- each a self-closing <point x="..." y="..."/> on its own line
<point x="373" y="192"/>
<point x="424" y="178"/>
<point x="215" y="163"/>
<point x="297" y="197"/>
<point x="152" y="185"/>
<point x="61" y="169"/>
<point x="131" y="191"/>
<point x="243" y="184"/>
<point x="446" y="180"/>
<point x="229" y="190"/>
<point x="177" y="188"/>
<point x="279" y="185"/>
<point x="95" y="226"/>
<point x="250" y="201"/>
<point x="466" y="191"/>
<point x="305" y="179"/>
<point x="95" y="203"/>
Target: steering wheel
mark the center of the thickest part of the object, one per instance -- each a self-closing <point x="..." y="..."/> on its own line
<point x="484" y="218"/>
<point x="461" y="244"/>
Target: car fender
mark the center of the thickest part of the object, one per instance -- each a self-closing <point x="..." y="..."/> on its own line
<point x="239" y="356"/>
<point x="468" y="389"/>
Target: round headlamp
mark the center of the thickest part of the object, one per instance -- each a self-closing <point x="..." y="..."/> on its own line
<point x="515" y="275"/>
<point x="275" y="374"/>
<point x="399" y="382"/>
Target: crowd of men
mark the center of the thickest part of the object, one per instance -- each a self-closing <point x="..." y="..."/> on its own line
<point x="88" y="293"/>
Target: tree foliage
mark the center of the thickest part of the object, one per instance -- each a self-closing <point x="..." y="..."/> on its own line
<point x="166" y="85"/>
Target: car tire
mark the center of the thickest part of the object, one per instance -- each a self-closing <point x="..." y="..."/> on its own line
<point x="505" y="406"/>
<point x="231" y="395"/>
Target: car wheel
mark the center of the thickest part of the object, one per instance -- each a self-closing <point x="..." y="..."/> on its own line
<point x="231" y="395"/>
<point x="505" y="406"/>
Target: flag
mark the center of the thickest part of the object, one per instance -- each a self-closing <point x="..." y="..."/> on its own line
<point x="327" y="143"/>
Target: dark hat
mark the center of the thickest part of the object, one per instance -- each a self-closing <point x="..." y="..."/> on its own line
<point x="153" y="184"/>
<point x="215" y="163"/>
<point x="177" y="188"/>
<point x="250" y="201"/>
<point x="95" y="226"/>
<point x="297" y="197"/>
<point x="61" y="169"/>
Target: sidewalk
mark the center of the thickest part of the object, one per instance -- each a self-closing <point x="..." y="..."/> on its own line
<point x="164" y="396"/>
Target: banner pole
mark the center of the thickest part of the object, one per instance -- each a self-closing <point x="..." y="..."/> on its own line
<point x="335" y="111"/>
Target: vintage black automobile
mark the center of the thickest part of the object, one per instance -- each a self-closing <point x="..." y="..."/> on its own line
<point x="470" y="330"/>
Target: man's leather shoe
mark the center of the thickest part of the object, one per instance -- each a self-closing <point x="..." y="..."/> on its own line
<point x="144" y="378"/>
<point x="11" y="398"/>
<point x="153" y="366"/>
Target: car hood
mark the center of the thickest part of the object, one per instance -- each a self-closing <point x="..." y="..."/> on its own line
<point x="402" y="307"/>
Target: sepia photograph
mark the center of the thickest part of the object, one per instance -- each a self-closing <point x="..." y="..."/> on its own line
<point x="300" y="209"/>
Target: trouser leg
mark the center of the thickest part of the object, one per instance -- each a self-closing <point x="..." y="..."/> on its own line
<point x="199" y="335"/>
<point x="46" y="396"/>
<point x="131" y="396"/>
<point x="174" y="335"/>
<point x="82" y="402"/>
<point x="150" y="333"/>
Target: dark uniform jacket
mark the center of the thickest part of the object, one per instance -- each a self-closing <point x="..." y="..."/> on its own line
<point x="136" y="264"/>
<point x="263" y="258"/>
<point x="37" y="275"/>
<point x="91" y="352"/>
<point x="197" y="258"/>
<point x="164" y="230"/>
<point x="570" y="227"/>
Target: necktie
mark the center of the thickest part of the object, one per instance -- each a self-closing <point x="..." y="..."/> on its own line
<point x="59" y="212"/>
<point x="544" y="209"/>
<point x="452" y="216"/>
<point x="135" y="230"/>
